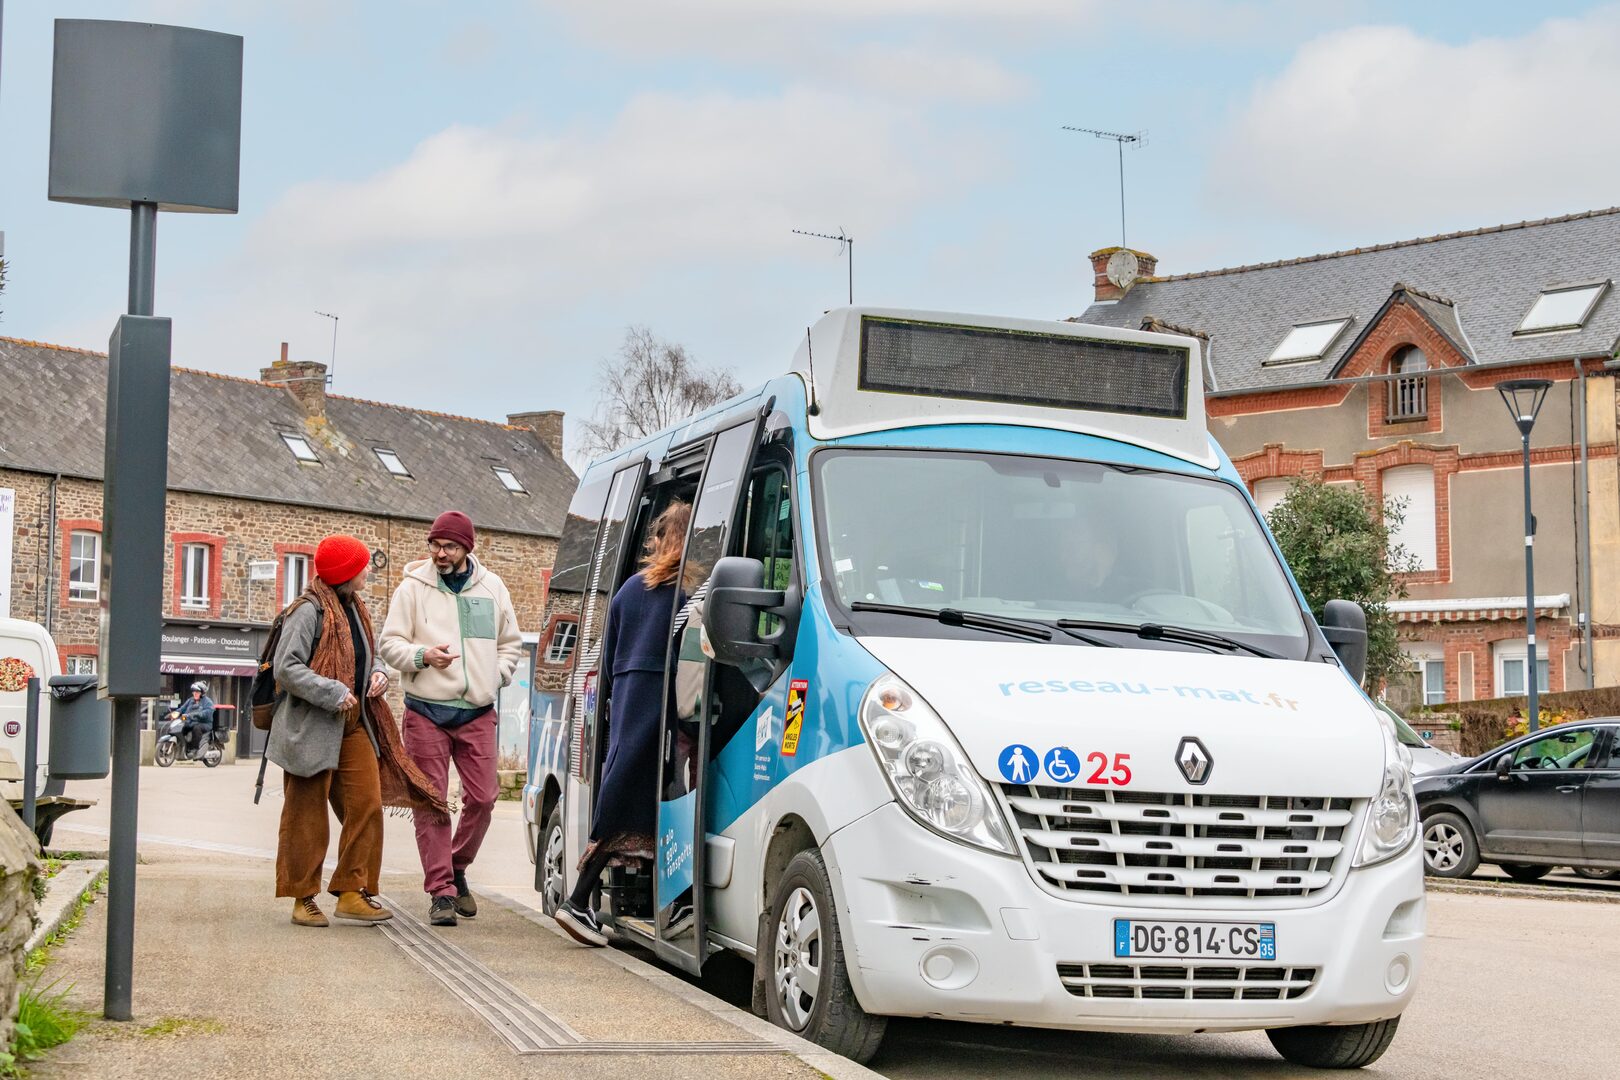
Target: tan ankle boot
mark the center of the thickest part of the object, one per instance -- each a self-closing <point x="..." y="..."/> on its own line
<point x="308" y="913"/>
<point x="361" y="907"/>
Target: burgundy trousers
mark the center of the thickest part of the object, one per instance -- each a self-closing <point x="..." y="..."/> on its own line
<point x="472" y="747"/>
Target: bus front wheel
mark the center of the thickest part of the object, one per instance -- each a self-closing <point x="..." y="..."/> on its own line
<point x="1352" y="1046"/>
<point x="809" y="992"/>
<point x="548" y="863"/>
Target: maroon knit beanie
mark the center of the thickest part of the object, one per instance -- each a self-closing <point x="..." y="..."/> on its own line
<point x="340" y="558"/>
<point x="454" y="526"/>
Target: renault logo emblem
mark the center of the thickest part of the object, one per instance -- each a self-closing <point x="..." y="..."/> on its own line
<point x="1193" y="760"/>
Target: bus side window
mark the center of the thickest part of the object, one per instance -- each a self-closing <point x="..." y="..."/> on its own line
<point x="768" y="536"/>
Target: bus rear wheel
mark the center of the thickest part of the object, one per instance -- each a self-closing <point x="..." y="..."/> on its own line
<point x="548" y="863"/>
<point x="809" y="991"/>
<point x="1349" y="1047"/>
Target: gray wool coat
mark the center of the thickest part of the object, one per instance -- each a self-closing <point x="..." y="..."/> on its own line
<point x="306" y="734"/>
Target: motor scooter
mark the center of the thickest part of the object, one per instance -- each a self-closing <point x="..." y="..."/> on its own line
<point x="172" y="744"/>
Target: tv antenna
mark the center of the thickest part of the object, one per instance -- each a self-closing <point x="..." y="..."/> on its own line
<point x="846" y="245"/>
<point x="1137" y="141"/>
<point x="331" y="369"/>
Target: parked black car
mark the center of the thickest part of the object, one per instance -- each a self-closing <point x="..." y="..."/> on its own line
<point x="1551" y="798"/>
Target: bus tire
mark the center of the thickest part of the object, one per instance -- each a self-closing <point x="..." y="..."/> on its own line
<point x="549" y="878"/>
<point x="1349" y="1047"/>
<point x="809" y="991"/>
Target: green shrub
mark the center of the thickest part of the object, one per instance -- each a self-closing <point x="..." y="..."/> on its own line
<point x="43" y="1020"/>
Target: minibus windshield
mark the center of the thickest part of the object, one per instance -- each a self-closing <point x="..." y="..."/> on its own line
<point x="1051" y="539"/>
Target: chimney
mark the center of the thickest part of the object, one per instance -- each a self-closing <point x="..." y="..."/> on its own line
<point x="305" y="380"/>
<point x="548" y="424"/>
<point x="1105" y="287"/>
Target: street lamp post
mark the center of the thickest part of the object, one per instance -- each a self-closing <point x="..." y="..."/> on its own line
<point x="1523" y="398"/>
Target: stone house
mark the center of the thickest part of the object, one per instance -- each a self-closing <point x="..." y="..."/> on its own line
<point x="1380" y="366"/>
<point x="259" y="471"/>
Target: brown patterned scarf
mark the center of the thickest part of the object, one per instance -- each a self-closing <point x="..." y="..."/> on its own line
<point x="404" y="786"/>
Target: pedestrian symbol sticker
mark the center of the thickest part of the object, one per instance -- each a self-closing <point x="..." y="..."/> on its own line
<point x="1018" y="764"/>
<point x="1062" y="764"/>
<point x="795" y="716"/>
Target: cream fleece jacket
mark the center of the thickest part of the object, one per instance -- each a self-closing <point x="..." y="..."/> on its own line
<point x="478" y="624"/>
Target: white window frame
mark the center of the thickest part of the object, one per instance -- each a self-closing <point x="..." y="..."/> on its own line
<point x="391" y="461"/>
<point x="550" y="656"/>
<point x="300" y="449"/>
<point x="201" y="554"/>
<point x="1528" y="325"/>
<point x="1508" y="652"/>
<point x="1294" y="348"/>
<point x="1269" y="491"/>
<point x="1427" y="666"/>
<point x="79" y="665"/>
<point x="509" y="480"/>
<point x="296" y="567"/>
<point x="1428" y="554"/>
<point x="87" y="590"/>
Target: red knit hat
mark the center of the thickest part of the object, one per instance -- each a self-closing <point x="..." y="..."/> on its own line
<point x="340" y="558"/>
<point x="454" y="526"/>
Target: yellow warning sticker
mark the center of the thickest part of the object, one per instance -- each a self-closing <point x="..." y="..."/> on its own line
<point x="795" y="716"/>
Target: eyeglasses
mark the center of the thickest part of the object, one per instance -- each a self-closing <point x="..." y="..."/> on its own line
<point x="443" y="549"/>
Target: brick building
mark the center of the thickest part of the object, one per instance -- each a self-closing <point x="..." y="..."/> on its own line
<point x="259" y="471"/>
<point x="1380" y="366"/>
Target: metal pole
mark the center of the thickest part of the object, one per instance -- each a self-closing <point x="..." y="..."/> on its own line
<point x="31" y="754"/>
<point x="851" y="253"/>
<point x="1530" y="666"/>
<point x="1586" y="542"/>
<point x="1121" y="144"/>
<point x="126" y="748"/>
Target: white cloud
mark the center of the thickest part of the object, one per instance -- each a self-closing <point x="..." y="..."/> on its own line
<point x="1379" y="127"/>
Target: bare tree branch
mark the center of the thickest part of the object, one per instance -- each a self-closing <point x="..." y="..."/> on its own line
<point x="650" y="385"/>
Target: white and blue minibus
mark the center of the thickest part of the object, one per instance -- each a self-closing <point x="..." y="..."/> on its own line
<point x="1010" y="709"/>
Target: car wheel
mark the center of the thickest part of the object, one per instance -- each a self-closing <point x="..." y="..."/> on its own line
<point x="1524" y="872"/>
<point x="164" y="754"/>
<point x="809" y="991"/>
<point x="1596" y="873"/>
<point x="1449" y="848"/>
<point x="548" y="865"/>
<point x="1349" y="1047"/>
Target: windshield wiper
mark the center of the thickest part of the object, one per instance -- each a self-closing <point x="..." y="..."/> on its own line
<point x="955" y="617"/>
<point x="1160" y="632"/>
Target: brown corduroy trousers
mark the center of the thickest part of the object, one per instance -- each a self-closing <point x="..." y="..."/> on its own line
<point x="354" y="793"/>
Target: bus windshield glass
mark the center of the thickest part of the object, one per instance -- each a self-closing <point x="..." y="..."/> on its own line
<point x="1050" y="539"/>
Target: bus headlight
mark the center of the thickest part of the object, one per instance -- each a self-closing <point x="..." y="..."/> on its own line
<point x="927" y="770"/>
<point x="1392" y="816"/>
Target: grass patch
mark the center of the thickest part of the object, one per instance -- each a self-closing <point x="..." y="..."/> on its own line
<point x="182" y="1025"/>
<point x="42" y="955"/>
<point x="43" y="1020"/>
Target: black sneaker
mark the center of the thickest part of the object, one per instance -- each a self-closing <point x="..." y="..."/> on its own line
<point x="443" y="911"/>
<point x="466" y="905"/>
<point x="581" y="925"/>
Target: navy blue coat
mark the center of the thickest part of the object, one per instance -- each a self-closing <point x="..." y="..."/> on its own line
<point x="635" y="651"/>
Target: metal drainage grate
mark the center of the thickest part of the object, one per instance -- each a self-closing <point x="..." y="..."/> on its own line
<point x="1172" y="982"/>
<point x="526" y="1027"/>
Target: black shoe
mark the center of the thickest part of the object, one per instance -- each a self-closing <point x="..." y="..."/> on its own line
<point x="466" y="905"/>
<point x="581" y="925"/>
<point x="443" y="911"/>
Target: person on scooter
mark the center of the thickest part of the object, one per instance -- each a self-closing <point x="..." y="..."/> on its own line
<point x="198" y="712"/>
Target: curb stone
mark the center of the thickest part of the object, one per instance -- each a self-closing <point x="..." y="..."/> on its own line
<point x="62" y="893"/>
<point x="819" y="1058"/>
<point x="1476" y="887"/>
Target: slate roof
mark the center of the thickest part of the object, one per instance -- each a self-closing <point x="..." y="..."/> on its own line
<point x="1491" y="275"/>
<point x="224" y="439"/>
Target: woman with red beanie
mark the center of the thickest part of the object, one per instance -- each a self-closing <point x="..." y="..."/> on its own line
<point x="335" y="740"/>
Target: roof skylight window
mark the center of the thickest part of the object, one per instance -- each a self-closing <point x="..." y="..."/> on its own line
<point x="1308" y="341"/>
<point x="300" y="448"/>
<point x="390" y="461"/>
<point x="508" y="481"/>
<point x="1562" y="309"/>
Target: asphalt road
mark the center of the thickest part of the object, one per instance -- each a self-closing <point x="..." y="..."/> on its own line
<point x="1509" y="985"/>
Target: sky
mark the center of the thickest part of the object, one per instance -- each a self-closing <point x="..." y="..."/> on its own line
<point x="488" y="194"/>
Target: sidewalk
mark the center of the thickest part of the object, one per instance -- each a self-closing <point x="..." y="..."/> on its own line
<point x="225" y="986"/>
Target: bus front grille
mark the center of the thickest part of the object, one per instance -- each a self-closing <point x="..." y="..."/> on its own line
<point x="1173" y="982"/>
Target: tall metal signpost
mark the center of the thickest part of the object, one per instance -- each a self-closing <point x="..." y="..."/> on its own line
<point x="1523" y="398"/>
<point x="147" y="118"/>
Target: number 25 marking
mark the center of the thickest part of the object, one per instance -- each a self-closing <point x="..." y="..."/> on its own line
<point x="1119" y="777"/>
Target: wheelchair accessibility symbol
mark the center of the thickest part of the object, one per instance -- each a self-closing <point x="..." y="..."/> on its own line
<point x="1062" y="764"/>
<point x="1018" y="764"/>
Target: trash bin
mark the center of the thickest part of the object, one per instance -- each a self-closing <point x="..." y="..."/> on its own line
<point x="81" y="729"/>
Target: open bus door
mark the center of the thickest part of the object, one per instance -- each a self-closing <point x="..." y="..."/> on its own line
<point x="680" y="920"/>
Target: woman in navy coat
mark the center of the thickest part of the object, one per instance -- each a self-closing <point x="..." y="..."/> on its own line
<point x="635" y="652"/>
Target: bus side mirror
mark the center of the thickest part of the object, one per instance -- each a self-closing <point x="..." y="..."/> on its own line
<point x="1344" y="625"/>
<point x="731" y="613"/>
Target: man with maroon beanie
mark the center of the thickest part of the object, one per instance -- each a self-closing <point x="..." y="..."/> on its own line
<point x="453" y="635"/>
